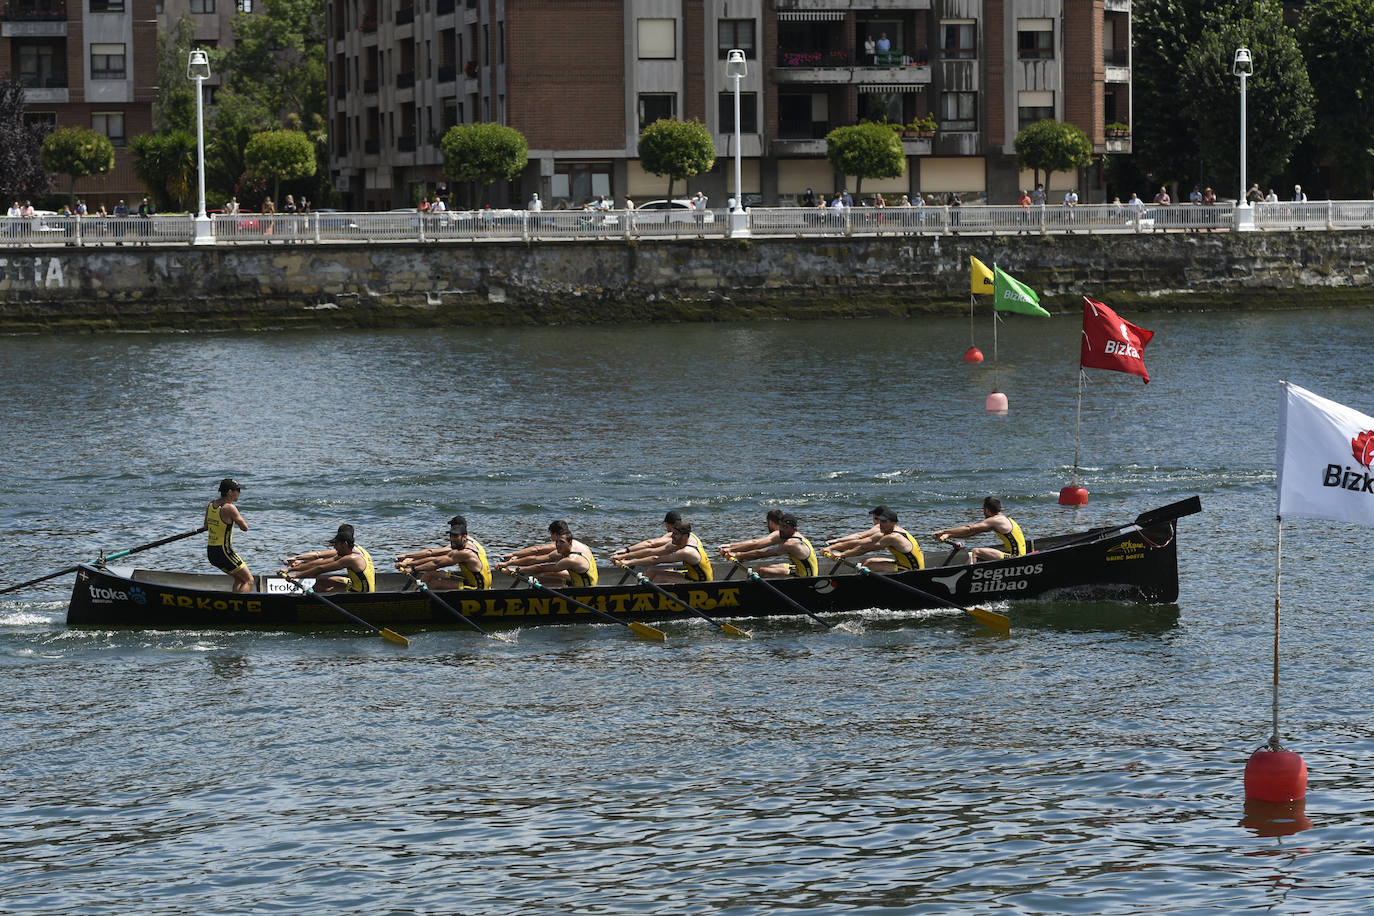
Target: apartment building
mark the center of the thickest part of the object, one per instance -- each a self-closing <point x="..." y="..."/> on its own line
<point x="212" y="23"/>
<point x="87" y="63"/>
<point x="581" y="78"/>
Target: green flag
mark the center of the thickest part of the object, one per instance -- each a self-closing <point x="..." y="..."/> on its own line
<point x="1011" y="295"/>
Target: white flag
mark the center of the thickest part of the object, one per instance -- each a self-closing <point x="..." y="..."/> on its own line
<point x="1325" y="453"/>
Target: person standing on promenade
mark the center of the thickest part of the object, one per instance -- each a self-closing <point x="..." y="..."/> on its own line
<point x="462" y="564"/>
<point x="1013" y="539"/>
<point x="344" y="567"/>
<point x="222" y="516"/>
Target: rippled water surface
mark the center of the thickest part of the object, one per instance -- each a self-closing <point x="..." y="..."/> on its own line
<point x="1090" y="762"/>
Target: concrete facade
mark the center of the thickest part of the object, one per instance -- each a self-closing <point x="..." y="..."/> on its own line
<point x="62" y="289"/>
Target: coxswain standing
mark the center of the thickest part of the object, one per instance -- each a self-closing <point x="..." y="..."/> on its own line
<point x="1013" y="539"/>
<point x="221" y="517"/>
<point x="570" y="563"/>
<point x="344" y="567"/>
<point x="791" y="546"/>
<point x="462" y="564"/>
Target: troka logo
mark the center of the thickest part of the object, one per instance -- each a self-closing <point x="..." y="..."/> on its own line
<point x="1363" y="447"/>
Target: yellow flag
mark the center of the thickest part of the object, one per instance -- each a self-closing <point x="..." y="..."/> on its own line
<point x="979" y="277"/>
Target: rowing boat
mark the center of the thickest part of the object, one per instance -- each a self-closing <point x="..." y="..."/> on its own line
<point x="1136" y="562"/>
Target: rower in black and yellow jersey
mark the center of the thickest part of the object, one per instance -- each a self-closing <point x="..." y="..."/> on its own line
<point x="344" y="567"/>
<point x="222" y="516"/>
<point x="797" y="550"/>
<point x="462" y="564"/>
<point x="570" y="563"/>
<point x="653" y="545"/>
<point x="1013" y="539"/>
<point x="684" y="558"/>
<point x="900" y="543"/>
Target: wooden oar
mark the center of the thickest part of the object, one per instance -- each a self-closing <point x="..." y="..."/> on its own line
<point x="645" y="580"/>
<point x="778" y="592"/>
<point x="639" y="629"/>
<point x="990" y="619"/>
<point x="105" y="557"/>
<point x="1190" y="506"/>
<point x="388" y="635"/>
<point x="434" y="596"/>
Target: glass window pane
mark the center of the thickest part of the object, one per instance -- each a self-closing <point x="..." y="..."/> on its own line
<point x="657" y="39"/>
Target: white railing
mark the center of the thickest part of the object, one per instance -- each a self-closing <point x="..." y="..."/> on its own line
<point x="612" y="225"/>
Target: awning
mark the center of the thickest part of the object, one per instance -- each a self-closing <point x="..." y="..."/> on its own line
<point x="813" y="16"/>
<point x="892" y="87"/>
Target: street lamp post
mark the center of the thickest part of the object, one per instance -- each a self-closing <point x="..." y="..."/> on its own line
<point x="736" y="69"/>
<point x="1242" y="67"/>
<point x="198" y="69"/>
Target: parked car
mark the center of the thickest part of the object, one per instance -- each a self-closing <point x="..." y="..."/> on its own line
<point x="679" y="210"/>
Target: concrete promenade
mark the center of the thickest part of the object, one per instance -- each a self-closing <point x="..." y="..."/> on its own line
<point x="135" y="288"/>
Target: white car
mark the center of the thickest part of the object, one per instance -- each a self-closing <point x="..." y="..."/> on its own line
<point x="679" y="211"/>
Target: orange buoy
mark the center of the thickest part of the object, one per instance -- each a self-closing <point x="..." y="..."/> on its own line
<point x="1073" y="495"/>
<point x="1275" y="776"/>
<point x="973" y="355"/>
<point x="997" y="402"/>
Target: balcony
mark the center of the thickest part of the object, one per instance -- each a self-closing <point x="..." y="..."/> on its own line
<point x="446" y="6"/>
<point x="369" y="23"/>
<point x="809" y="7"/>
<point x="1117" y="64"/>
<point x="405" y="80"/>
<point x="370" y="86"/>
<point x="406" y="144"/>
<point x="447" y="73"/>
<point x="46" y="81"/>
<point x="405" y="15"/>
<point x="827" y="67"/>
<point x="36" y="11"/>
<point x="372" y="147"/>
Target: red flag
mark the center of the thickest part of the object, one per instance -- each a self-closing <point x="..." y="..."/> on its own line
<point x="1111" y="342"/>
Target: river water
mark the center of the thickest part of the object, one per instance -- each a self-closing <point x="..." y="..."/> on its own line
<point x="1089" y="762"/>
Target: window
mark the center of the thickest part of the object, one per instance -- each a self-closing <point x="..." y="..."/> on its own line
<point x="1032" y="107"/>
<point x="107" y="62"/>
<point x="748" y="112"/>
<point x="957" y="39"/>
<point x="1035" y="39"/>
<point x="107" y="6"/>
<point x="656" y="105"/>
<point x="109" y="123"/>
<point x="42" y="63"/>
<point x="959" y="110"/>
<point x="202" y="6"/>
<point x="736" y="33"/>
<point x="45" y="120"/>
<point x="579" y="182"/>
<point x="243" y="6"/>
<point x="657" y="39"/>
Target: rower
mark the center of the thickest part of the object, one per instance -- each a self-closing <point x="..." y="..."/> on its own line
<point x="835" y="545"/>
<point x="222" y="516"/>
<point x="1013" y="539"/>
<point x="653" y="545"/>
<point x="462" y="564"/>
<point x="344" y="567"/>
<point x="906" y="553"/>
<point x="769" y="539"/>
<point x="683" y="559"/>
<point x="570" y="563"/>
<point x="791" y="546"/>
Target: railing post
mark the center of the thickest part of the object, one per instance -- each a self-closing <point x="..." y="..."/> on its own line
<point x="848" y="221"/>
<point x="1330" y="215"/>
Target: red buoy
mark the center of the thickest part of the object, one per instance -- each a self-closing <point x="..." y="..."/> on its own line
<point x="973" y="355"/>
<point x="997" y="402"/>
<point x="1073" y="495"/>
<point x="1275" y="776"/>
<point x="1276" y="818"/>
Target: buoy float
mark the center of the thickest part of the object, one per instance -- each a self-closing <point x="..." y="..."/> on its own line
<point x="997" y="402"/>
<point x="973" y="355"/>
<point x="1276" y="818"/>
<point x="1275" y="776"/>
<point x="1073" y="495"/>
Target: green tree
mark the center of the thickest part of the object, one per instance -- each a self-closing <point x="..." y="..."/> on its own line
<point x="677" y="149"/>
<point x="279" y="155"/>
<point x="77" y="153"/>
<point x="1160" y="135"/>
<point x="1338" y="44"/>
<point x="166" y="164"/>
<point x="865" y="150"/>
<point x="278" y="59"/>
<point x="1278" y="96"/>
<point x="482" y="153"/>
<point x="1052" y="146"/>
<point x="22" y="175"/>
<point x="174" y="108"/>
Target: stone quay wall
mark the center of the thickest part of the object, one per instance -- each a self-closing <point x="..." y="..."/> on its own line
<point x="62" y="289"/>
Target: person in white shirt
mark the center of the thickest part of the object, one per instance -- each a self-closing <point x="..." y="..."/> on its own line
<point x="535" y="203"/>
<point x="1298" y="196"/>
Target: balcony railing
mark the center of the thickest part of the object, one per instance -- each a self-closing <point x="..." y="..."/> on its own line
<point x="405" y="14"/>
<point x="446" y="6"/>
<point x="448" y="73"/>
<point x="50" y="81"/>
<point x="36" y="10"/>
<point x="370" y="85"/>
<point x="406" y="144"/>
<point x="1116" y="57"/>
<point x="815" y="59"/>
<point x="372" y="146"/>
<point x="405" y="80"/>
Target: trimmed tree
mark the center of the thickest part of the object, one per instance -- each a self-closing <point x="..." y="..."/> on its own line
<point x="1052" y="146"/>
<point x="482" y="153"/>
<point x="1338" y="45"/>
<point x="865" y="150"/>
<point x="279" y="155"/>
<point x="77" y="153"/>
<point x="22" y="176"/>
<point x="677" y="149"/>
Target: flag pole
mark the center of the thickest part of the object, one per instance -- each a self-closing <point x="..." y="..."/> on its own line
<point x="1278" y="562"/>
<point x="1078" y="423"/>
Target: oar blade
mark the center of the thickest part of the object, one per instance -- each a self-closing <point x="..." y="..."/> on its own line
<point x="644" y="631"/>
<point x="733" y="630"/>
<point x="990" y="619"/>
<point x="393" y="636"/>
